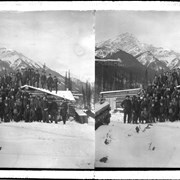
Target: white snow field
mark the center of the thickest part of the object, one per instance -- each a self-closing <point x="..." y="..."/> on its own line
<point x="46" y="145"/>
<point x="119" y="145"/>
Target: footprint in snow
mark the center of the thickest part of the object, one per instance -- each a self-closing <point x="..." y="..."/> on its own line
<point x="107" y="141"/>
<point x="104" y="159"/>
<point x="137" y="129"/>
<point x="150" y="145"/>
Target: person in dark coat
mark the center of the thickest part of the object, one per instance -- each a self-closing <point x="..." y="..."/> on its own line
<point x="50" y="82"/>
<point x="152" y="112"/>
<point x="43" y="80"/>
<point x="162" y="112"/>
<point x="64" y="108"/>
<point x="126" y="104"/>
<point x="167" y="101"/>
<point x="55" y="80"/>
<point x="11" y="82"/>
<point x="174" y="77"/>
<point x="11" y="107"/>
<point x="30" y="76"/>
<point x="164" y="78"/>
<point x="135" y="109"/>
<point x="157" y="107"/>
<point x="37" y="76"/>
<point x="27" y="114"/>
<point x="171" y="112"/>
<point x="33" y="77"/>
<point x="8" y="79"/>
<point x="6" y="113"/>
<point x="144" y="104"/>
<point x="32" y="114"/>
<point x="144" y="116"/>
<point x="16" y="113"/>
<point x="53" y="111"/>
<point x="176" y="107"/>
<point x="38" y="113"/>
<point x="19" y="108"/>
<point x="45" y="113"/>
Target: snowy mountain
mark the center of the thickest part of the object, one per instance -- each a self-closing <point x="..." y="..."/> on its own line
<point x="12" y="60"/>
<point x="153" y="57"/>
<point x="17" y="60"/>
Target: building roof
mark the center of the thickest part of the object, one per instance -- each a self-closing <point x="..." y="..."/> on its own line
<point x="116" y="91"/>
<point x="62" y="94"/>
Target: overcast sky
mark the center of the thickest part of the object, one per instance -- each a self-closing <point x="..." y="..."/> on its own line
<point x="160" y="28"/>
<point x="61" y="39"/>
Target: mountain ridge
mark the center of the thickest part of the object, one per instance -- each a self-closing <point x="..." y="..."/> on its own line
<point x="11" y="60"/>
<point x="146" y="54"/>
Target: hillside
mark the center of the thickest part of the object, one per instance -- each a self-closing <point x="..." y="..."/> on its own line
<point x="120" y="146"/>
<point x="157" y="58"/>
<point x="120" y="70"/>
<point x="12" y="60"/>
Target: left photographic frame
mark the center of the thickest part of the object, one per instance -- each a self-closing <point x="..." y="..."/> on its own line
<point x="46" y="90"/>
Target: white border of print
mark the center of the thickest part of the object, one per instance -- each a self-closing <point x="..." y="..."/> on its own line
<point x="96" y="5"/>
<point x="88" y="5"/>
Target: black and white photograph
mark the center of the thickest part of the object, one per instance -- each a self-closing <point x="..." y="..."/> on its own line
<point x="137" y="85"/>
<point x="89" y="90"/>
<point x="47" y="89"/>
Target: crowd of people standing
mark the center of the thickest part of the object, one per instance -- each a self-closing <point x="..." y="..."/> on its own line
<point x="30" y="77"/>
<point x="159" y="102"/>
<point x="17" y="104"/>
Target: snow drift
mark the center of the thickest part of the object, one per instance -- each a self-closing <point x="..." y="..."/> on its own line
<point x="43" y="145"/>
<point x="120" y="145"/>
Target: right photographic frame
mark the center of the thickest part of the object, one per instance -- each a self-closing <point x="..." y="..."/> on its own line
<point x="137" y="89"/>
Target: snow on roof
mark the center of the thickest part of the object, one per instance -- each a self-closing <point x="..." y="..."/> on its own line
<point x="63" y="94"/>
<point x="104" y="92"/>
<point x="80" y="112"/>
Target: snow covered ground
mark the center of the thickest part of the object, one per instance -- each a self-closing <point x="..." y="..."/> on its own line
<point x="46" y="145"/>
<point x="119" y="145"/>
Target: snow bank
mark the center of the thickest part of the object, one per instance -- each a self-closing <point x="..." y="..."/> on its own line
<point x="46" y="145"/>
<point x="154" y="146"/>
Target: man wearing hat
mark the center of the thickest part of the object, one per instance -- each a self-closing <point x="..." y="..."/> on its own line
<point x="126" y="104"/>
<point x="64" y="108"/>
<point x="43" y="80"/>
<point x="50" y="82"/>
<point x="37" y="76"/>
<point x="55" y="80"/>
<point x="45" y="106"/>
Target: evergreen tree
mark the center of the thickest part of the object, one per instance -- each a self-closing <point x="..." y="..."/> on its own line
<point x="69" y="81"/>
<point x="84" y="96"/>
<point x="88" y="94"/>
<point x="44" y="68"/>
<point x="66" y="81"/>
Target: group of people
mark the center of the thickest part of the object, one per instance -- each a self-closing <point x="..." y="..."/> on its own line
<point x="17" y="105"/>
<point x="30" y="77"/>
<point x="159" y="102"/>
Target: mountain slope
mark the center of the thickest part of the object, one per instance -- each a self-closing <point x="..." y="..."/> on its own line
<point x="12" y="60"/>
<point x="148" y="55"/>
